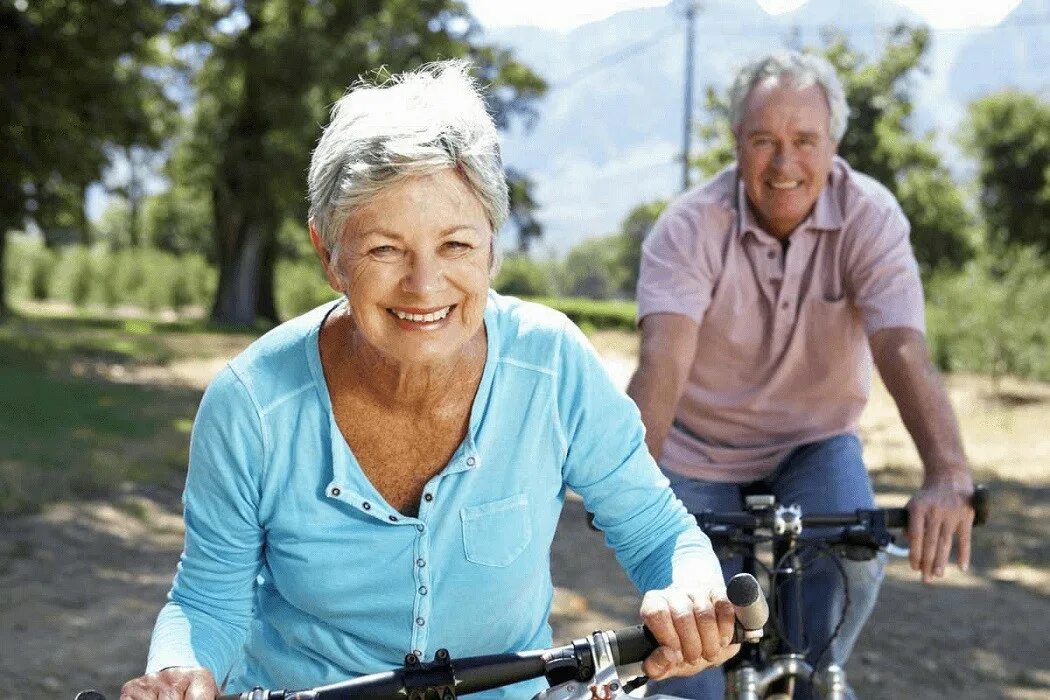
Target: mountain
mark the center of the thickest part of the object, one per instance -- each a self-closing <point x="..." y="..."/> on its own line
<point x="610" y="128"/>
<point x="1015" y="53"/>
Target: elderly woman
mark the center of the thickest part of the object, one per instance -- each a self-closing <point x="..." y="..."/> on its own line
<point x="384" y="474"/>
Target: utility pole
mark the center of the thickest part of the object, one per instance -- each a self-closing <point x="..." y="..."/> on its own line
<point x="691" y="6"/>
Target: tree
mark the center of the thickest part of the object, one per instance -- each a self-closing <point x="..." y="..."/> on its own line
<point x="593" y="269"/>
<point x="635" y="227"/>
<point x="74" y="72"/>
<point x="271" y="69"/>
<point x="1009" y="135"/>
<point x="523" y="210"/>
<point x="178" y="221"/>
<point x="878" y="143"/>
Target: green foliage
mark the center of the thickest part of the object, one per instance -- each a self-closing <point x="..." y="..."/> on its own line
<point x="590" y="314"/>
<point x="144" y="277"/>
<point x="523" y="210"/>
<point x="878" y="143"/>
<point x="74" y="275"/>
<point x="69" y="431"/>
<point x="991" y="316"/>
<point x="77" y="84"/>
<point x="593" y="269"/>
<point x="179" y="221"/>
<point x="301" y="286"/>
<point x="1009" y="135"/>
<point x="716" y="135"/>
<point x="521" y="276"/>
<point x="607" y="267"/>
<point x="272" y="71"/>
<point x="633" y="230"/>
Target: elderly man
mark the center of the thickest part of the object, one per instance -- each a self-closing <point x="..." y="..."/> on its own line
<point x="762" y="298"/>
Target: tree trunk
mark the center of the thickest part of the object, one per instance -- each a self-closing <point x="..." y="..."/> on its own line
<point x="245" y="291"/>
<point x="4" y="309"/>
<point x="83" y="225"/>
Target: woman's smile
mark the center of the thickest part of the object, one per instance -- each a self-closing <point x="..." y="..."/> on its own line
<point x="415" y="319"/>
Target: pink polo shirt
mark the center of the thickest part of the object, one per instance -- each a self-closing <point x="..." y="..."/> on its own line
<point x="782" y="353"/>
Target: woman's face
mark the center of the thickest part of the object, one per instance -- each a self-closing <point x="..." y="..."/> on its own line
<point x="414" y="265"/>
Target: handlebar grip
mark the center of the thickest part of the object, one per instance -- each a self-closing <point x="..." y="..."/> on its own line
<point x="745" y="594"/>
<point x="898" y="517"/>
<point x="980" y="504"/>
<point x="632" y="644"/>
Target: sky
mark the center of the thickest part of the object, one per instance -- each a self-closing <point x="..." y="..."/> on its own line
<point x="566" y="14"/>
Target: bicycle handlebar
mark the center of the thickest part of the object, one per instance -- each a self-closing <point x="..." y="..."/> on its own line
<point x="891" y="517"/>
<point x="472" y="674"/>
<point x="466" y="675"/>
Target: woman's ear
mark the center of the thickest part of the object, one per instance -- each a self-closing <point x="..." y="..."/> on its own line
<point x="326" y="258"/>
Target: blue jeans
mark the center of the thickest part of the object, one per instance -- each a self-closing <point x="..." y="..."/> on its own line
<point x="821" y="477"/>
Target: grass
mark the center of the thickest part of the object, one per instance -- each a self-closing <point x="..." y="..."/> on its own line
<point x="70" y="429"/>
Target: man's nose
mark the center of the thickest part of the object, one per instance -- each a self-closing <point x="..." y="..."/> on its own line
<point x="783" y="155"/>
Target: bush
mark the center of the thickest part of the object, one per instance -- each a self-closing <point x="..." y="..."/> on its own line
<point x="74" y="275"/>
<point x="991" y="317"/>
<point x="41" y="266"/>
<point x="28" y="267"/>
<point x="522" y="277"/>
<point x="301" y="286"/>
<point x="590" y="314"/>
<point x="144" y="277"/>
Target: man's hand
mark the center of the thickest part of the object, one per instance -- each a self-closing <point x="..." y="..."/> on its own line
<point x="938" y="513"/>
<point x="694" y="628"/>
<point x="177" y="683"/>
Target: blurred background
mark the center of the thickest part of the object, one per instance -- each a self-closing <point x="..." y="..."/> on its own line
<point x="153" y="158"/>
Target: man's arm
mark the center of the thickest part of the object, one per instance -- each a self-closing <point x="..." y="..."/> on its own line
<point x="940" y="510"/>
<point x="667" y="350"/>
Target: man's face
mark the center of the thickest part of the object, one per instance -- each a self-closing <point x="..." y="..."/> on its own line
<point x="784" y="152"/>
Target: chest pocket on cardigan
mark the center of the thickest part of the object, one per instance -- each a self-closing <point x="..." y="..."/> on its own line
<point x="497" y="532"/>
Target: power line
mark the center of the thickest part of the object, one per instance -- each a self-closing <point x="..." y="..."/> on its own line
<point x="614" y="58"/>
<point x="1019" y="22"/>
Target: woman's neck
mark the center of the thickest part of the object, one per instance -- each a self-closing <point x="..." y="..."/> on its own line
<point x="352" y="364"/>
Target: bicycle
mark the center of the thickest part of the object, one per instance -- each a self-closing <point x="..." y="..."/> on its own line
<point x="768" y="667"/>
<point x="585" y="669"/>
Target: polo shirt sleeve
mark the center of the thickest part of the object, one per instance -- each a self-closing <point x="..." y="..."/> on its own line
<point x="883" y="274"/>
<point x="209" y="608"/>
<point x="676" y="273"/>
<point x="607" y="463"/>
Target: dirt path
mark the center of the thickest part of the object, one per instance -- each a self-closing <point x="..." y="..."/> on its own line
<point x="81" y="583"/>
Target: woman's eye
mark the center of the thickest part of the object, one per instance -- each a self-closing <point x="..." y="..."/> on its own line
<point x="458" y="246"/>
<point x="383" y="251"/>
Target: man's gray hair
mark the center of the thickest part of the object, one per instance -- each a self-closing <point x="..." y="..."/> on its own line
<point x="413" y="124"/>
<point x="803" y="70"/>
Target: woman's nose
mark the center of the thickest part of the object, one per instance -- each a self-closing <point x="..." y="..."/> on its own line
<point x="424" y="275"/>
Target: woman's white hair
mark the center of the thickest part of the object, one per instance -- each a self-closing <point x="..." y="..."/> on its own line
<point x="413" y="124"/>
<point x="803" y="70"/>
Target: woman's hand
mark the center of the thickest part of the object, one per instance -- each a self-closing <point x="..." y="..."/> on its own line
<point x="175" y="683"/>
<point x="694" y="627"/>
